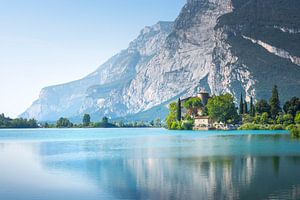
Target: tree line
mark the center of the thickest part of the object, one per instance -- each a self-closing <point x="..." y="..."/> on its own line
<point x="270" y="115"/>
<point x="104" y="123"/>
<point x="62" y="122"/>
<point x="6" y="122"/>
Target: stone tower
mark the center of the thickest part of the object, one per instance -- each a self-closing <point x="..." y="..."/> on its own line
<point x="204" y="96"/>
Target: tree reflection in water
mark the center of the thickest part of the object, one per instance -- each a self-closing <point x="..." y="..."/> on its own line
<point x="141" y="174"/>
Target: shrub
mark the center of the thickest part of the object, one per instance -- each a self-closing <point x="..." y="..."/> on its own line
<point x="175" y="125"/>
<point x="297" y="118"/>
<point x="279" y="119"/>
<point x="276" y="127"/>
<point x="256" y="119"/>
<point x="247" y="119"/>
<point x="250" y="126"/>
<point x="188" y="117"/>
<point x="187" y="125"/>
<point x="295" y="131"/>
<point x="264" y="118"/>
<point x="287" y="119"/>
<point x="289" y="127"/>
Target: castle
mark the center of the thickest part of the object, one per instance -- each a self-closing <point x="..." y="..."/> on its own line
<point x="203" y="95"/>
<point x="201" y="119"/>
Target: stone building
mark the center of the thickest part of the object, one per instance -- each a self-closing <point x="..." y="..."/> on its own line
<point x="203" y="123"/>
<point x="204" y="96"/>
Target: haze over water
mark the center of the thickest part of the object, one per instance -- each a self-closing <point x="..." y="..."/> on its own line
<point x="148" y="164"/>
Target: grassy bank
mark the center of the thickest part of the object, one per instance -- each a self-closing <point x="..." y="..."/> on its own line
<point x="294" y="129"/>
<point x="253" y="126"/>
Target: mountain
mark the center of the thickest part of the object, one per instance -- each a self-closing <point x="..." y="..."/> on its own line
<point x="235" y="46"/>
<point x="101" y="92"/>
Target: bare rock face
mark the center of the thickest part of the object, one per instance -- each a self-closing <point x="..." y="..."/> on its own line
<point x="234" y="46"/>
<point x="101" y="92"/>
<point x="263" y="36"/>
<point x="185" y="59"/>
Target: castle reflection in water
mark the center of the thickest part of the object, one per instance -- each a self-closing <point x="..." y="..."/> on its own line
<point x="177" y="172"/>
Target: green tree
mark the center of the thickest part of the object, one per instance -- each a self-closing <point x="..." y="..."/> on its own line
<point x="179" y="110"/>
<point x="252" y="108"/>
<point x="104" y="120"/>
<point x="63" y="123"/>
<point x="297" y="118"/>
<point x="175" y="125"/>
<point x="152" y="123"/>
<point x="222" y="108"/>
<point x="275" y="103"/>
<point x="257" y="119"/>
<point x="172" y="114"/>
<point x="193" y="105"/>
<point x="6" y="122"/>
<point x="105" y="124"/>
<point x="288" y="119"/>
<point x="279" y="119"/>
<point x="187" y="125"/>
<point x="292" y="106"/>
<point x="245" y="107"/>
<point x="204" y="111"/>
<point x="157" y="122"/>
<point x="32" y="123"/>
<point x="262" y="106"/>
<point x="247" y="119"/>
<point x="241" y="108"/>
<point x="86" y="120"/>
<point x="295" y="131"/>
<point x="46" y="125"/>
<point x="264" y="119"/>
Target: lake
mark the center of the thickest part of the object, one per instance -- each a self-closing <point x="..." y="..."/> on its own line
<point x="88" y="164"/>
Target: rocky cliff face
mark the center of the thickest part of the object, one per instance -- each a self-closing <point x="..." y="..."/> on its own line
<point x="234" y="46"/>
<point x="264" y="37"/>
<point x="101" y="92"/>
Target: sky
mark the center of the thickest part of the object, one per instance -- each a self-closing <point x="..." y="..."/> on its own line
<point x="48" y="42"/>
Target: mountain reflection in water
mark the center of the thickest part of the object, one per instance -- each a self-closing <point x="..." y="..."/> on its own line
<point x="154" y="166"/>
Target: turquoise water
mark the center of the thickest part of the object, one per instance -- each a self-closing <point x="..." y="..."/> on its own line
<point x="88" y="164"/>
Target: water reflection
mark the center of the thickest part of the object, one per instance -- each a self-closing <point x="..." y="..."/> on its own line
<point x="218" y="167"/>
<point x="190" y="178"/>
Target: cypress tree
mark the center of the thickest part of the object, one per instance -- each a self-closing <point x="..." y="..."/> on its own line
<point x="275" y="103"/>
<point x="179" y="110"/>
<point x="252" y="109"/>
<point x="241" y="110"/>
<point x="245" y="107"/>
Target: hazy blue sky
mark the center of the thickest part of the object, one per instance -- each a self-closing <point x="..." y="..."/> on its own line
<point x="46" y="42"/>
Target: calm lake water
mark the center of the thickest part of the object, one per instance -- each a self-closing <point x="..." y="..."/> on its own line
<point x="88" y="164"/>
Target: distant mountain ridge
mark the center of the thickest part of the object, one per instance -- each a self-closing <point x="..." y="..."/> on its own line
<point x="234" y="46"/>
